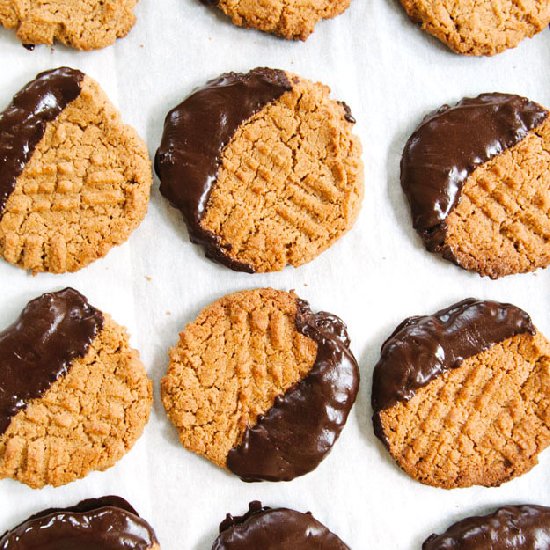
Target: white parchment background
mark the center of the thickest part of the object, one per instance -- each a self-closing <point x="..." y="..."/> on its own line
<point x="391" y="74"/>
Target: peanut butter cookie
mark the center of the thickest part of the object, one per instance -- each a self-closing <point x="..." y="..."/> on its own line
<point x="74" y="180"/>
<point x="260" y="385"/>
<point x="264" y="168"/>
<point x="74" y="396"/>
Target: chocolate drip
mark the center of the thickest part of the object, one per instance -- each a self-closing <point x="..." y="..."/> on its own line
<point x="107" y="523"/>
<point x="23" y="123"/>
<point x="524" y="527"/>
<point x="301" y="427"/>
<point x="195" y="134"/>
<point x="449" y="145"/>
<point x="423" y="347"/>
<point x="52" y="331"/>
<point x="274" y="528"/>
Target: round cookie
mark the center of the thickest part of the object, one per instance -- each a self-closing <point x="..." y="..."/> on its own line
<point x="460" y="397"/>
<point x="525" y="527"/>
<point x="275" y="528"/>
<point x="289" y="19"/>
<point x="87" y="25"/>
<point x="264" y="168"/>
<point x="107" y="523"/>
<point x="476" y="176"/>
<point x="260" y="385"/>
<point x="74" y="180"/>
<point x="472" y="27"/>
<point x="74" y="396"/>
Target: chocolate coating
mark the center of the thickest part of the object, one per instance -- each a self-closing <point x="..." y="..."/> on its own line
<point x="40" y="346"/>
<point x="524" y="527"/>
<point x="424" y="347"/>
<point x="449" y="145"/>
<point x="273" y="529"/>
<point x="107" y="523"/>
<point x="301" y="427"/>
<point x="195" y="134"/>
<point x="23" y="123"/>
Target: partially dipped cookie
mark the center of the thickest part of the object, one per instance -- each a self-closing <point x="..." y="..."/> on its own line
<point x="275" y="528"/>
<point x="461" y="397"/>
<point x="74" y="396"/>
<point x="291" y="19"/>
<point x="74" y="180"/>
<point x="106" y="523"/>
<point x="261" y="385"/>
<point x="81" y="25"/>
<point x="264" y="168"/>
<point x="525" y="527"/>
<point x="477" y="178"/>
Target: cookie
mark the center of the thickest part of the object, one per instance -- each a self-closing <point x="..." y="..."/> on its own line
<point x="275" y="528"/>
<point x="74" y="180"/>
<point x="470" y="27"/>
<point x="477" y="178"/>
<point x="261" y="385"/>
<point x="264" y="168"/>
<point x="292" y="19"/>
<point x="460" y="397"/>
<point x="89" y="25"/>
<point x="74" y="396"/>
<point x="524" y="527"/>
<point x="107" y="523"/>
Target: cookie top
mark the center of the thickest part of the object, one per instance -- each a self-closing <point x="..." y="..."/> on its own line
<point x="107" y="523"/>
<point x="261" y="385"/>
<point x="74" y="181"/>
<point x="81" y="25"/>
<point x="471" y="27"/>
<point x="524" y="527"/>
<point x="257" y="194"/>
<point x="272" y="528"/>
<point x="290" y="19"/>
<point x="74" y="397"/>
<point x="444" y="162"/>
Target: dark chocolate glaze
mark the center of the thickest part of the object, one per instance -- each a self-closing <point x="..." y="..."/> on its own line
<point x="449" y="145"/>
<point x="29" y="47"/>
<point x="273" y="529"/>
<point x="196" y="132"/>
<point x="40" y="346"/>
<point x="424" y="347"/>
<point x="107" y="523"/>
<point x="301" y="427"/>
<point x="23" y="123"/>
<point x="524" y="527"/>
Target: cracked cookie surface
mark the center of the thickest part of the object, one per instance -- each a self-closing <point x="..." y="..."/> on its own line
<point x="479" y="27"/>
<point x="83" y="190"/>
<point x="84" y="25"/>
<point x="289" y="19"/>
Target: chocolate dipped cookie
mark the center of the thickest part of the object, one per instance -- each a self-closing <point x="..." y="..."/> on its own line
<point x="107" y="523"/>
<point x="461" y="397"/>
<point x="477" y="178"/>
<point x="525" y="527"/>
<point x="273" y="529"/>
<point x="264" y="168"/>
<point x="260" y="385"/>
<point x="74" y="396"/>
<point x="74" y="180"/>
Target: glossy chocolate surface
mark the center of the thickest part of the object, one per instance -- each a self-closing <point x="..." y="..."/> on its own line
<point x="195" y="134"/>
<point x="524" y="527"/>
<point x="424" y="347"/>
<point x="107" y="523"/>
<point x="274" y="529"/>
<point x="23" y="123"/>
<point x="449" y="145"/>
<point x="301" y="427"/>
<point x="40" y="346"/>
